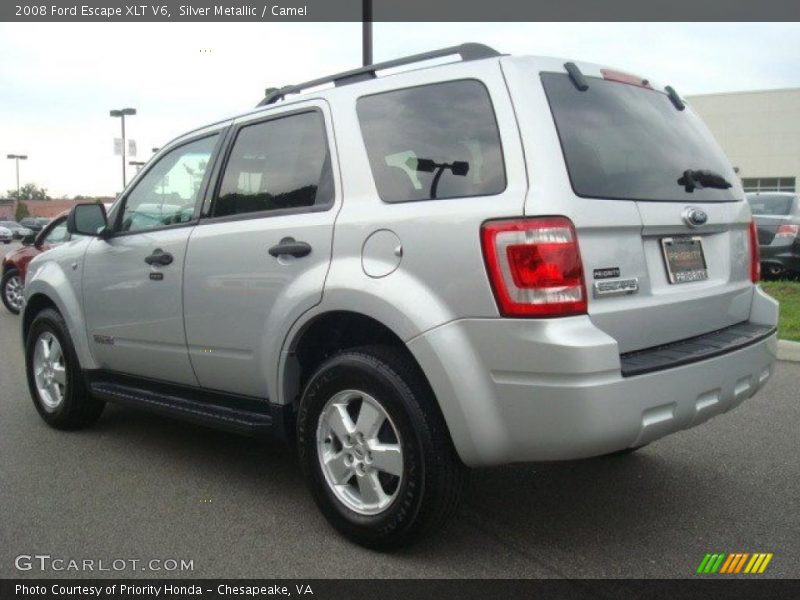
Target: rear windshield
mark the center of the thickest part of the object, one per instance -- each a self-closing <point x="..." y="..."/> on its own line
<point x="770" y="204"/>
<point x="626" y="142"/>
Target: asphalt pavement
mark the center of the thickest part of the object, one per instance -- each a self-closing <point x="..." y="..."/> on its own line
<point x="142" y="487"/>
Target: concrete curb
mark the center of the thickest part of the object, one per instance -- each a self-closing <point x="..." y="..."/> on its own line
<point x="788" y="350"/>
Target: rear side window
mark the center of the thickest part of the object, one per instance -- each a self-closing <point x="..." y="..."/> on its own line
<point x="770" y="204"/>
<point x="433" y="141"/>
<point x="277" y="165"/>
<point x="626" y="142"/>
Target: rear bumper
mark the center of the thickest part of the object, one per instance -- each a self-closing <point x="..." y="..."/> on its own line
<point x="527" y="390"/>
<point x="785" y="256"/>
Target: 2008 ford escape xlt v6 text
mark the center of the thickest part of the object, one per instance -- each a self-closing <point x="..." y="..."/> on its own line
<point x="493" y="260"/>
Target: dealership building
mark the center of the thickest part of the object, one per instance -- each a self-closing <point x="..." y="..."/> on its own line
<point x="760" y="132"/>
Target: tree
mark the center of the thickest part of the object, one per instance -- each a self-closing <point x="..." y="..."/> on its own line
<point x="29" y="191"/>
<point x="22" y="211"/>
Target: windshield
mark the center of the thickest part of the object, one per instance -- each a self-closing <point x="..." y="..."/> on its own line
<point x="627" y="142"/>
<point x="770" y="204"/>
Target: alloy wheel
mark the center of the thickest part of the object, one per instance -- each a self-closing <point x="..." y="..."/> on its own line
<point x="360" y="452"/>
<point x="49" y="371"/>
<point x="13" y="292"/>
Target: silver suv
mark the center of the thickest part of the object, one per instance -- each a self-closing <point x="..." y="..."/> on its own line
<point x="493" y="260"/>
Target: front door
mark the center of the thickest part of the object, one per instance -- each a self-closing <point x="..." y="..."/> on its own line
<point x="133" y="281"/>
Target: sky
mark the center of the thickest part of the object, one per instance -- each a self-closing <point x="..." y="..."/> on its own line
<point x="58" y="81"/>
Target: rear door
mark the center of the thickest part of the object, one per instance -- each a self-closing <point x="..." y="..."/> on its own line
<point x="259" y="258"/>
<point x="664" y="260"/>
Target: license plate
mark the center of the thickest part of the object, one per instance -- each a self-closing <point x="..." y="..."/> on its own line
<point x="684" y="259"/>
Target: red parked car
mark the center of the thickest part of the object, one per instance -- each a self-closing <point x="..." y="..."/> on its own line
<point x="16" y="263"/>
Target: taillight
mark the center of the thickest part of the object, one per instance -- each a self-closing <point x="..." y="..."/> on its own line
<point x="755" y="256"/>
<point x="534" y="266"/>
<point x="787" y="231"/>
<point x="621" y="77"/>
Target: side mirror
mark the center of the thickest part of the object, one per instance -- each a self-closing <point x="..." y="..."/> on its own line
<point x="29" y="240"/>
<point x="88" y="219"/>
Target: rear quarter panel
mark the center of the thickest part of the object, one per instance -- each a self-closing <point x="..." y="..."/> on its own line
<point x="441" y="275"/>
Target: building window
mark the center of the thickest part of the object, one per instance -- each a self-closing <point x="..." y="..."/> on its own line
<point x="768" y="184"/>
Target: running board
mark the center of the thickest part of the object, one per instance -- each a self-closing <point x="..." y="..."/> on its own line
<point x="239" y="414"/>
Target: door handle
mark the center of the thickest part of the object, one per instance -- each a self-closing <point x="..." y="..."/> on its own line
<point x="159" y="257"/>
<point x="289" y="246"/>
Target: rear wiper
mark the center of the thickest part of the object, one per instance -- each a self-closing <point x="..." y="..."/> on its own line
<point x="697" y="180"/>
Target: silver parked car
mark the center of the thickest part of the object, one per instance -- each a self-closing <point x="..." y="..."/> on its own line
<point x="17" y="230"/>
<point x="494" y="260"/>
<point x="5" y="235"/>
<point x="777" y="216"/>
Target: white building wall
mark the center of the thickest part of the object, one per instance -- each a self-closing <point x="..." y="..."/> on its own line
<point x="760" y="131"/>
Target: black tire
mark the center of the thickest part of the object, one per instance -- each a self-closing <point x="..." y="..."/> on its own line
<point x="3" y="283"/>
<point x="773" y="271"/>
<point x="77" y="409"/>
<point x="432" y="476"/>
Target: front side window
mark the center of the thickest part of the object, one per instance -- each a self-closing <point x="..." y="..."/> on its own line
<point x="433" y="141"/>
<point x="169" y="192"/>
<point x="279" y="164"/>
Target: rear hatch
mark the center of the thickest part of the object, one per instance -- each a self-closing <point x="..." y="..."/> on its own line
<point x="658" y="210"/>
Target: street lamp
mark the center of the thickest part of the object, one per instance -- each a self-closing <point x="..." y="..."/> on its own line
<point x="122" y="113"/>
<point x="366" y="32"/>
<point x="17" y="157"/>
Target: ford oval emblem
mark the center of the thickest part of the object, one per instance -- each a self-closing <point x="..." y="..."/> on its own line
<point x="694" y="217"/>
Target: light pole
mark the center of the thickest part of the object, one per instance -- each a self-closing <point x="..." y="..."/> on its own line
<point x="17" y="157"/>
<point x="366" y="32"/>
<point x="122" y="113"/>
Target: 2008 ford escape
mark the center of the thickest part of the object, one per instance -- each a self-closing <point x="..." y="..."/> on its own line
<point x="493" y="260"/>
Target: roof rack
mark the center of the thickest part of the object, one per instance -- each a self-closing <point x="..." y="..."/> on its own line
<point x="466" y="51"/>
